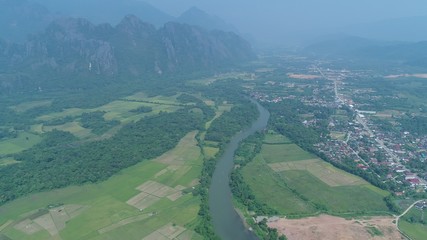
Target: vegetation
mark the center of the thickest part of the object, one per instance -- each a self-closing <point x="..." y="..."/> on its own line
<point x="102" y="208"/>
<point x="222" y="131"/>
<point x="60" y="160"/>
<point x="309" y="186"/>
<point x="416" y="231"/>
<point x="96" y="122"/>
<point x="240" y="189"/>
<point x="223" y="128"/>
<point x="142" y="109"/>
<point x="416" y="125"/>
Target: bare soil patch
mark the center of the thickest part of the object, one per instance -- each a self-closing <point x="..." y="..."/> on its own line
<point x="52" y="221"/>
<point x="167" y="232"/>
<point x="336" y="228"/>
<point x="304" y="76"/>
<point x="146" y="202"/>
<point x="179" y="155"/>
<point x="123" y="223"/>
<point x="417" y="75"/>
<point x="47" y="223"/>
<point x="136" y="199"/>
<point x="175" y="196"/>
<point x="28" y="227"/>
<point x="152" y="192"/>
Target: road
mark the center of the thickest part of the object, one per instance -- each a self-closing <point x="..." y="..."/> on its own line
<point x="391" y="154"/>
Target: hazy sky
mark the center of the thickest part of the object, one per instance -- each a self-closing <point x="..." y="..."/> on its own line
<point x="277" y="18"/>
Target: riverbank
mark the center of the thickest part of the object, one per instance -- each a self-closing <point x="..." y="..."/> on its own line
<point x="226" y="221"/>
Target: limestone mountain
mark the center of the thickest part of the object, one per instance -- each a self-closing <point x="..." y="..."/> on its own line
<point x="76" y="47"/>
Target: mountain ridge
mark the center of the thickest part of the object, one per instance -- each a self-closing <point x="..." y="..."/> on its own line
<point x="133" y="48"/>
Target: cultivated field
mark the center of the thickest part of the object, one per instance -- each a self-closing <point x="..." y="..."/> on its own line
<point x="270" y="189"/>
<point x="296" y="183"/>
<point x="146" y="201"/>
<point x="284" y="153"/>
<point x="120" y="110"/>
<point x="273" y="138"/>
<point x="322" y="170"/>
<point x="72" y="127"/>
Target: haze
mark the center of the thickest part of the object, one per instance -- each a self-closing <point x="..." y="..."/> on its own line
<point x="294" y="20"/>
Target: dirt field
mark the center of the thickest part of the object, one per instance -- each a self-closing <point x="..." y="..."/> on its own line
<point x="176" y="156"/>
<point x="303" y="76"/>
<point x="53" y="221"/>
<point x="336" y="228"/>
<point x="168" y="231"/>
<point x="420" y="75"/>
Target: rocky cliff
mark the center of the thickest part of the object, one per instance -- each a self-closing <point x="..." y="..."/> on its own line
<point x="132" y="47"/>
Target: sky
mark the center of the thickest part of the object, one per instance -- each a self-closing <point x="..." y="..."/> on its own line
<point x="278" y="19"/>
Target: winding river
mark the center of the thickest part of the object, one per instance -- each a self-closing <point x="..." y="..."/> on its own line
<point x="227" y="223"/>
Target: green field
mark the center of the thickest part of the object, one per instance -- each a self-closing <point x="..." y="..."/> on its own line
<point x="7" y="161"/>
<point x="415" y="231"/>
<point x="23" y="107"/>
<point x="338" y="135"/>
<point x="143" y="201"/>
<point x="119" y="110"/>
<point x="338" y="200"/>
<point x="72" y="127"/>
<point x="296" y="183"/>
<point x="411" y="224"/>
<point x="272" y="138"/>
<point x="284" y="153"/>
<point x="22" y="142"/>
<point x="269" y="188"/>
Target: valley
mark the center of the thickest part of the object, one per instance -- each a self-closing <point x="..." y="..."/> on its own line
<point x="121" y="121"/>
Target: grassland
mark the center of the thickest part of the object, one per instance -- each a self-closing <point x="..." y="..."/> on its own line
<point x="272" y="138"/>
<point x="120" y="110"/>
<point x="297" y="183"/>
<point x="7" y="161"/>
<point x="23" y="141"/>
<point x="338" y="135"/>
<point x="72" y="127"/>
<point x="284" y="153"/>
<point x="269" y="188"/>
<point x="123" y="207"/>
<point x="411" y="224"/>
<point x="415" y="231"/>
<point x="23" y="107"/>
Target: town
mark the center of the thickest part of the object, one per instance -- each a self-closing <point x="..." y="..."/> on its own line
<point x="360" y="135"/>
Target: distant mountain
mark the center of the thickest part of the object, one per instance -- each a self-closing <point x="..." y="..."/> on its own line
<point x="197" y="17"/>
<point x="18" y="18"/>
<point x="133" y="48"/>
<point x="108" y="11"/>
<point x="410" y="29"/>
<point x="360" y="48"/>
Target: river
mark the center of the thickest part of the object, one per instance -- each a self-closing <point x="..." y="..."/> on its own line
<point x="227" y="223"/>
